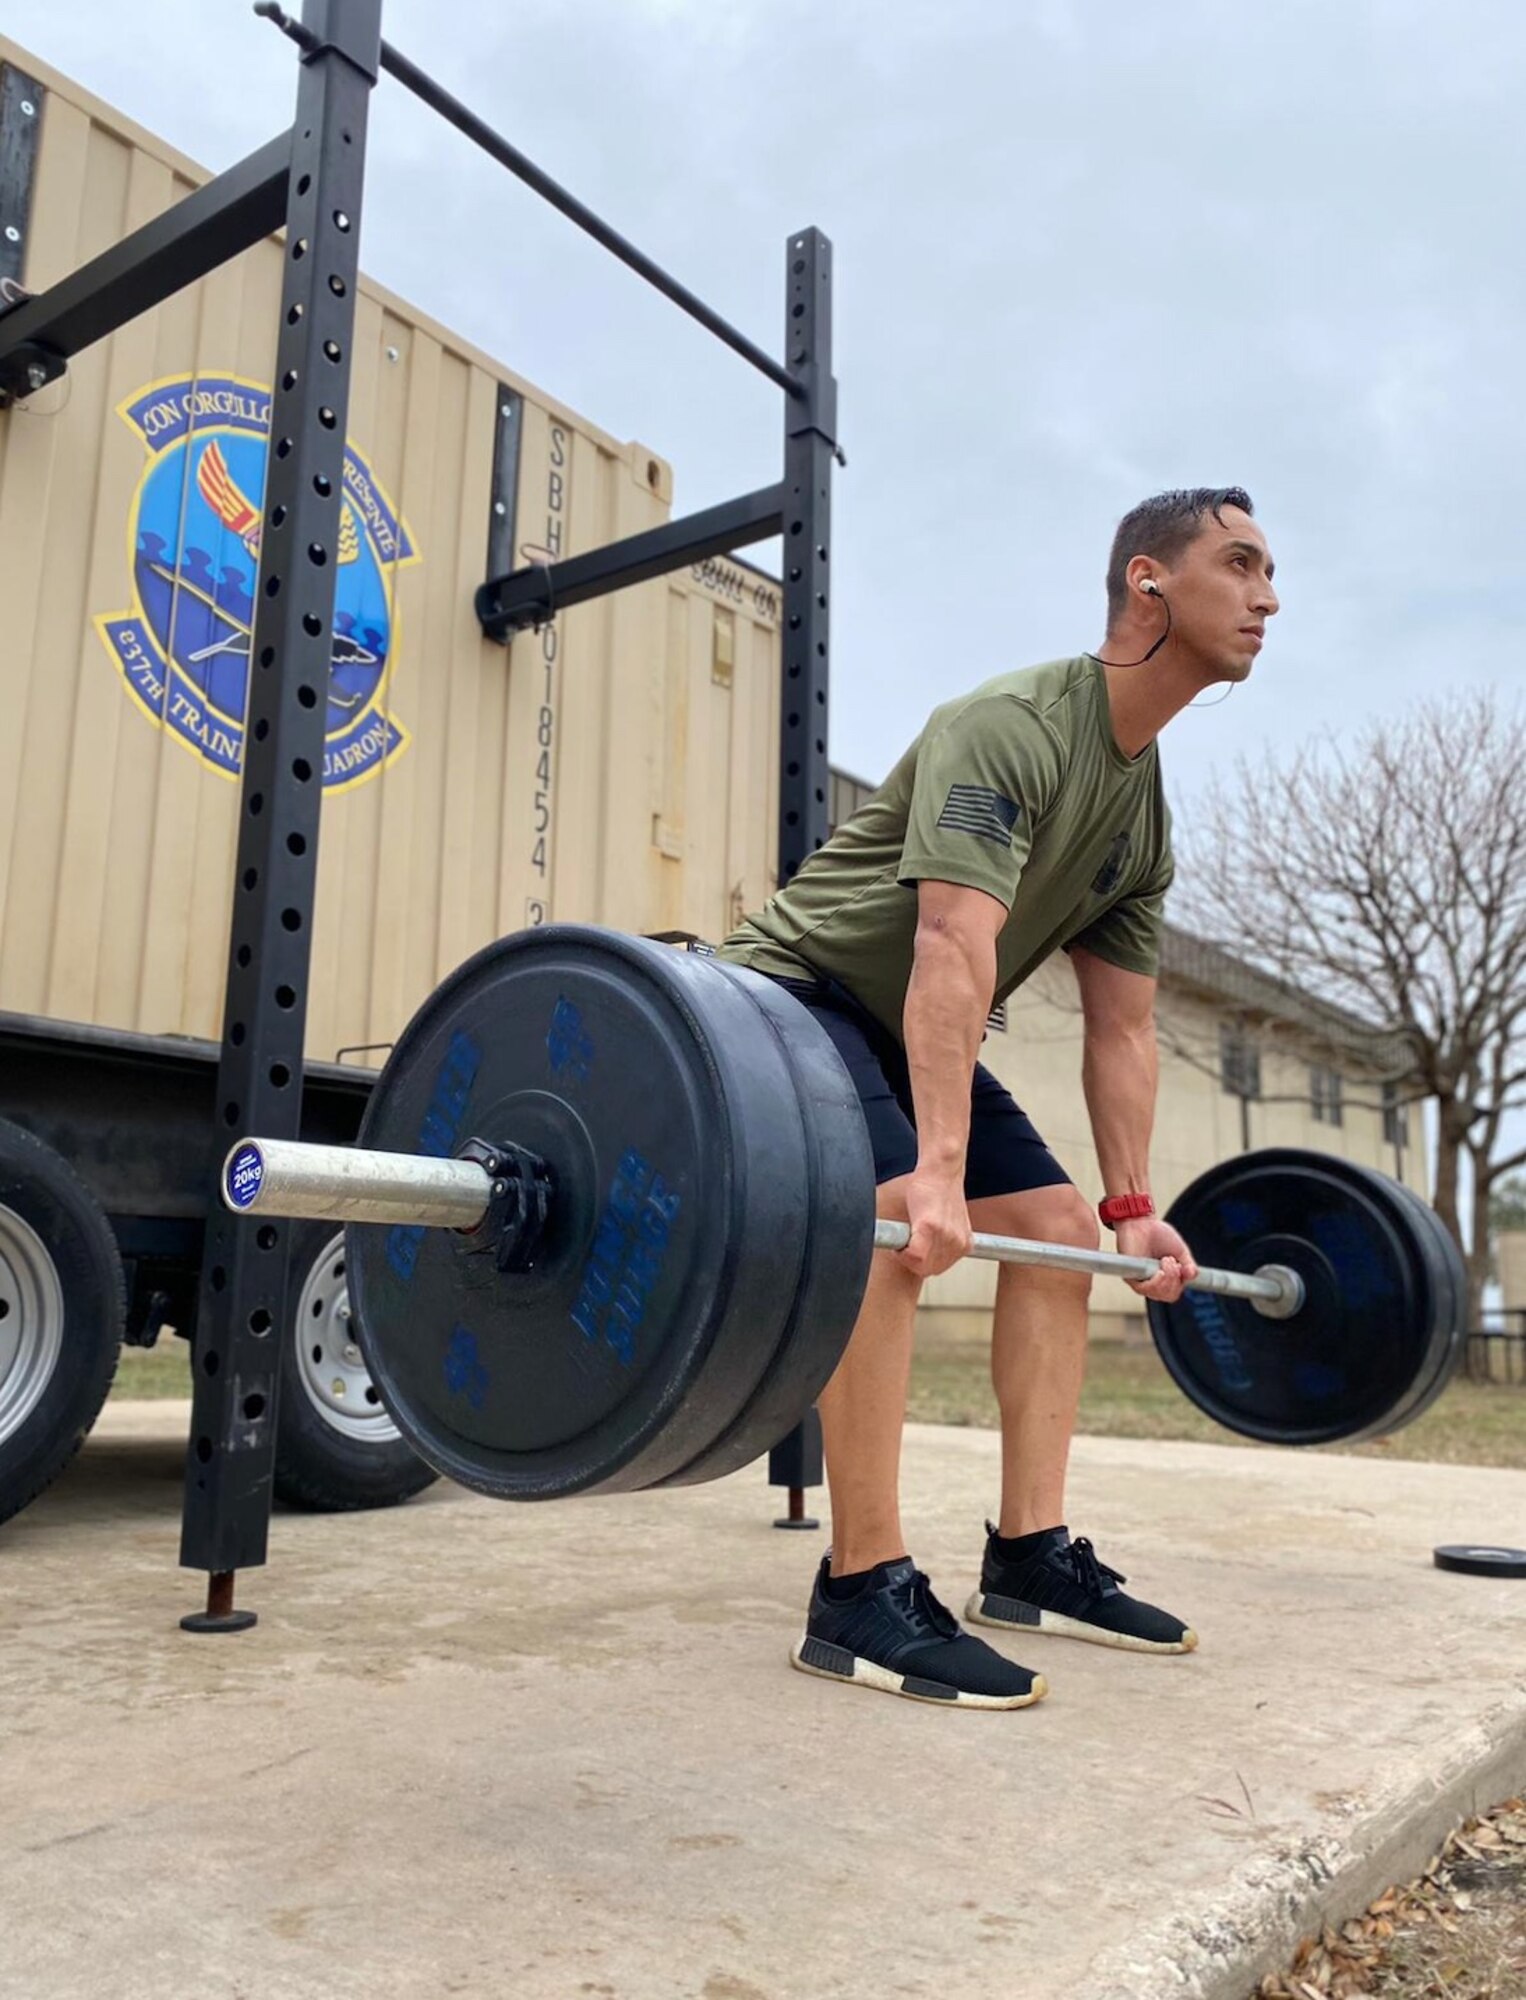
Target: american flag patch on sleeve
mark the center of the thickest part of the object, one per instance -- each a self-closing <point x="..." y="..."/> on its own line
<point x="977" y="809"/>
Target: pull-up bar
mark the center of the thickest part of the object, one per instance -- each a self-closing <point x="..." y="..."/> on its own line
<point x="465" y="120"/>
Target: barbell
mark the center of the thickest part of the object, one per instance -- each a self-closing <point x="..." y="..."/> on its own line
<point x="344" y="1184"/>
<point x="611" y="1212"/>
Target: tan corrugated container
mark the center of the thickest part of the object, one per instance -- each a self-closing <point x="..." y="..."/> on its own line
<point x="651" y="807"/>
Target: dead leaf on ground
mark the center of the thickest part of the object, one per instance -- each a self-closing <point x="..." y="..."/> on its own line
<point x="1394" y="1950"/>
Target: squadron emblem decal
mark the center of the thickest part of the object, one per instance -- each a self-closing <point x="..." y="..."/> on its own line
<point x="194" y="543"/>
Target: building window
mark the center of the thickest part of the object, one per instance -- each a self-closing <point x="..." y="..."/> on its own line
<point x="1325" y="1087"/>
<point x="996" y="1020"/>
<point x="1395" y="1117"/>
<point x="1239" y="1061"/>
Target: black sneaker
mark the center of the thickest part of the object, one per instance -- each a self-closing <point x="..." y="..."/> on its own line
<point x="1064" y="1589"/>
<point x="895" y="1635"/>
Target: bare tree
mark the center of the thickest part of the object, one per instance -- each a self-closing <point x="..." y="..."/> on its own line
<point x="1388" y="878"/>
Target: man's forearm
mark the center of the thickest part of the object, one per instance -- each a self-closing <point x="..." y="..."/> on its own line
<point x="947" y="1001"/>
<point x="1119" y="1073"/>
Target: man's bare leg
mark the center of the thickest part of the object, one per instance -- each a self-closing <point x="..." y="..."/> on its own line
<point x="887" y="1630"/>
<point x="863" y="1412"/>
<point x="1038" y="1361"/>
<point x="1038" y="1352"/>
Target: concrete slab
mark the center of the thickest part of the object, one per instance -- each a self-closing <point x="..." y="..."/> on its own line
<point x="479" y="1750"/>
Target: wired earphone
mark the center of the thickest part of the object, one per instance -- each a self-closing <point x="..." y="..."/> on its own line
<point x="1150" y="588"/>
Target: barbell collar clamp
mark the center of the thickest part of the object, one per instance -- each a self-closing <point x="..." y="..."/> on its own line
<point x="521" y="1189"/>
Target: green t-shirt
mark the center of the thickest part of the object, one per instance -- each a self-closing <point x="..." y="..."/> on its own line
<point x="1018" y="789"/>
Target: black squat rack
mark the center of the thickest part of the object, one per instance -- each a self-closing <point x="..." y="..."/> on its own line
<point x="310" y="181"/>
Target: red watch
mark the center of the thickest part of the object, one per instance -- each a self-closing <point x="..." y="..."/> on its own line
<point x="1124" y="1208"/>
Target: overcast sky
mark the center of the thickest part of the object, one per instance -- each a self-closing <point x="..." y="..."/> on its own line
<point x="1085" y="250"/>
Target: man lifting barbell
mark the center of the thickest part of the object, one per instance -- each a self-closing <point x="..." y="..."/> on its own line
<point x="1027" y="818"/>
<point x="611" y="1217"/>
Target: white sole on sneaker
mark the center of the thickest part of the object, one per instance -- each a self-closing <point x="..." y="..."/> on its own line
<point x="1060" y="1627"/>
<point x="852" y="1671"/>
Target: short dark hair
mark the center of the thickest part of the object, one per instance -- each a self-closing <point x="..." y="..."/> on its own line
<point x="1163" y="528"/>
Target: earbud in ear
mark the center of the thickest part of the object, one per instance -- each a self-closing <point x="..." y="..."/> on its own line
<point x="1150" y="587"/>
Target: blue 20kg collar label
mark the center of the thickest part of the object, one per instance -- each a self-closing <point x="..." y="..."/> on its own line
<point x="246" y="1176"/>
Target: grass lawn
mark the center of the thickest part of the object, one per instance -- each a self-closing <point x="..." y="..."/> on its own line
<point x="1129" y="1394"/>
<point x="159" y="1371"/>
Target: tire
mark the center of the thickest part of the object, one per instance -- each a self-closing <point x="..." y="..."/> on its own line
<point x="62" y="1309"/>
<point x="336" y="1446"/>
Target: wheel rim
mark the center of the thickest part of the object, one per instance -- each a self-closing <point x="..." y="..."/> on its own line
<point x="330" y="1365"/>
<point x="31" y="1321"/>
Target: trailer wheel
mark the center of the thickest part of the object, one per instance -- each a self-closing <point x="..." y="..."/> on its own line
<point x="62" y="1305"/>
<point x="336" y="1446"/>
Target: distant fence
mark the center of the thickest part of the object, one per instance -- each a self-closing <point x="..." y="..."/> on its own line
<point x="1497" y="1350"/>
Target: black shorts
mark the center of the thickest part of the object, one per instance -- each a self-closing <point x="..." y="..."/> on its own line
<point x="1006" y="1154"/>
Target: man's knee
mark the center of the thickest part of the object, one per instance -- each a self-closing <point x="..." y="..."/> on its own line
<point x="1051" y="1215"/>
<point x="1077" y="1223"/>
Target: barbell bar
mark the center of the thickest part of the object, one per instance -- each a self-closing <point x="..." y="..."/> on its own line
<point x="611" y="1214"/>
<point x="297" y="1180"/>
<point x="1273" y="1290"/>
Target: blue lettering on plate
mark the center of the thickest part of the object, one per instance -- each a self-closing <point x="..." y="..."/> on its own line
<point x="629" y="1250"/>
<point x="439" y="1131"/>
<point x="403" y="1240"/>
<point x="1213" y="1325"/>
<point x="568" y="1043"/>
<point x="464" y="1372"/>
<point x="246" y="1176"/>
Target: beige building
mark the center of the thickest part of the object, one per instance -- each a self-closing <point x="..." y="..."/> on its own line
<point x="1244" y="1063"/>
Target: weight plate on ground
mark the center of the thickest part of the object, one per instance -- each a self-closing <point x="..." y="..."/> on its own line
<point x="1480" y="1561"/>
<point x="1351" y="1358"/>
<point x="840" y="1170"/>
<point x="677" y="1234"/>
